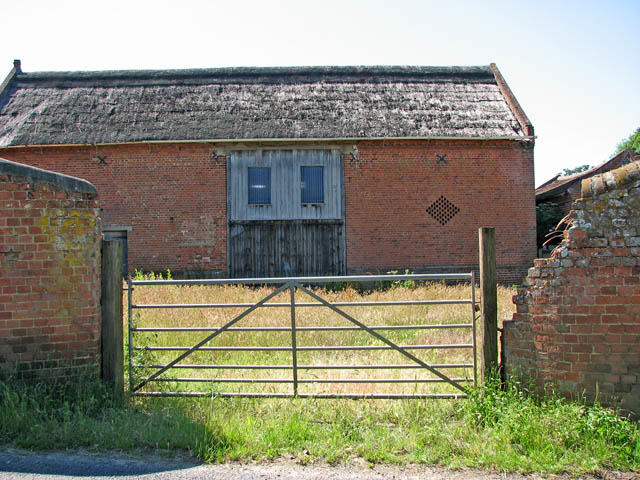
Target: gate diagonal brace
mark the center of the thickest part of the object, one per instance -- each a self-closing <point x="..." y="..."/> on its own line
<point x="210" y="337"/>
<point x="381" y="338"/>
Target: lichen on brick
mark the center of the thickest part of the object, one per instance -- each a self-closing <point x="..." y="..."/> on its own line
<point x="53" y="315"/>
<point x="593" y="294"/>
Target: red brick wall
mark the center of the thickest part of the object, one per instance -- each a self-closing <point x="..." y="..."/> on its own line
<point x="174" y="197"/>
<point x="389" y="190"/>
<point x="577" y="325"/>
<point x="49" y="276"/>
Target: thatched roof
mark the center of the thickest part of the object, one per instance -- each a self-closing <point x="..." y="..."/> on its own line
<point x="54" y="108"/>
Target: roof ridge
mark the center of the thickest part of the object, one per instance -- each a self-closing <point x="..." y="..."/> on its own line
<point x="278" y="70"/>
<point x="549" y="187"/>
<point x="301" y="74"/>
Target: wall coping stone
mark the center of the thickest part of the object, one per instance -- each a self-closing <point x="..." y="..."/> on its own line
<point x="610" y="180"/>
<point x="38" y="175"/>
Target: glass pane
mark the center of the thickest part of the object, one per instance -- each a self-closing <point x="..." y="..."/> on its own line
<point x="259" y="185"/>
<point x="312" y="184"/>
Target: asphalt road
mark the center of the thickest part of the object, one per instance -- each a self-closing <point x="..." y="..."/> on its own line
<point x="22" y="465"/>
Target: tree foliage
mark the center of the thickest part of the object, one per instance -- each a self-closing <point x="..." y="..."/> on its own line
<point x="570" y="171"/>
<point x="632" y="142"/>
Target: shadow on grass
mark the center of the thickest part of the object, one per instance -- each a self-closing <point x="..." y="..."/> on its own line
<point x="72" y="415"/>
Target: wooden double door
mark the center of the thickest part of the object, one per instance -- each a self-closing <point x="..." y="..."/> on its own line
<point x="286" y="213"/>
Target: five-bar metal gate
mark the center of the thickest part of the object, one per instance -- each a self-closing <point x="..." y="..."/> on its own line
<point x="153" y="373"/>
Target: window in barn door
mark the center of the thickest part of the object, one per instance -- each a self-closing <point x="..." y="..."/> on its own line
<point x="312" y="184"/>
<point x="259" y="185"/>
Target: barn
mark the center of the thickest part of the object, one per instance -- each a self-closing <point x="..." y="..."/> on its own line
<point x="251" y="172"/>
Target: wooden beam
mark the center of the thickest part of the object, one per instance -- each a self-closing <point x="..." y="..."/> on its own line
<point x="489" y="301"/>
<point x="111" y="330"/>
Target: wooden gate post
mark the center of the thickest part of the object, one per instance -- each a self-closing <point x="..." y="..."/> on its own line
<point x="111" y="330"/>
<point x="489" y="301"/>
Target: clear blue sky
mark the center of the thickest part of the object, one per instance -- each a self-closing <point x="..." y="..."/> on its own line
<point x="573" y="65"/>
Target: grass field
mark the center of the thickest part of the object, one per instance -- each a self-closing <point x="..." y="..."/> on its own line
<point x="494" y="429"/>
<point x="354" y="346"/>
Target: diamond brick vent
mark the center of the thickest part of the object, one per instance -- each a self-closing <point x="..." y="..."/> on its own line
<point x="442" y="210"/>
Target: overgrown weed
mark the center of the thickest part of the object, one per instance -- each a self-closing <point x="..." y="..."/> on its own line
<point x="508" y="430"/>
<point x="530" y="432"/>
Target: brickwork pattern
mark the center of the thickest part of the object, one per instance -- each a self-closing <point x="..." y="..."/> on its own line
<point x="577" y="324"/>
<point x="391" y="186"/>
<point x="174" y="198"/>
<point x="49" y="280"/>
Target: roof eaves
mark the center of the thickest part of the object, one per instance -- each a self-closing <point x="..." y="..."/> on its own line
<point x="294" y="140"/>
<point x="551" y="192"/>
<point x="548" y="182"/>
<point x="513" y="103"/>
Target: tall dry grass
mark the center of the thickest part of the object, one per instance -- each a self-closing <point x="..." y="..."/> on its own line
<point x="213" y="380"/>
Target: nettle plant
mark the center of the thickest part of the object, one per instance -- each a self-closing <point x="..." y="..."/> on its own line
<point x="140" y="275"/>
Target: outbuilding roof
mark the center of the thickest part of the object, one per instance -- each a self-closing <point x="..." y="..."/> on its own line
<point x="559" y="184"/>
<point x="294" y="103"/>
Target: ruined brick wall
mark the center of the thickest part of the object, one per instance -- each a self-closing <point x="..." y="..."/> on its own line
<point x="577" y="325"/>
<point x="49" y="274"/>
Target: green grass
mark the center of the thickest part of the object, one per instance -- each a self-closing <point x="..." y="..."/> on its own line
<point x="491" y="429"/>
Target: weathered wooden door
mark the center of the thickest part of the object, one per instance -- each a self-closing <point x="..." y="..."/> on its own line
<point x="286" y="213"/>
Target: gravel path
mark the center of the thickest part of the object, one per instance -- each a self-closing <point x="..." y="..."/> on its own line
<point x="18" y="464"/>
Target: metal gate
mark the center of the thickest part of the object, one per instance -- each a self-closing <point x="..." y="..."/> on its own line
<point x="144" y="372"/>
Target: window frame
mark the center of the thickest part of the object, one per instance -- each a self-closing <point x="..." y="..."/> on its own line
<point x="254" y="203"/>
<point x="302" y="189"/>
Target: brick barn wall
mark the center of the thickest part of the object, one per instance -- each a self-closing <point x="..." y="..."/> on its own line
<point x="174" y="197"/>
<point x="577" y="324"/>
<point x="49" y="274"/>
<point x="390" y="188"/>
